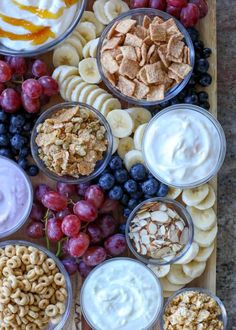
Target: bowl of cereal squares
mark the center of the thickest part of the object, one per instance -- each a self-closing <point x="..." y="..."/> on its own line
<point x="145" y="56"/>
<point x="35" y="289"/>
<point x="71" y="142"/>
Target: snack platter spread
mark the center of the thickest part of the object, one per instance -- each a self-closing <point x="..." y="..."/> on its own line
<point x="207" y="31"/>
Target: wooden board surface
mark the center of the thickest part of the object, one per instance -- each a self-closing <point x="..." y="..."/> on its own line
<point x="207" y="28"/>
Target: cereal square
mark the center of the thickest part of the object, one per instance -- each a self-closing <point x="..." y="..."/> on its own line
<point x="141" y="90"/>
<point x="154" y="73"/>
<point x="126" y="86"/>
<point x="129" y="52"/>
<point x="133" y="40"/>
<point x="125" y="26"/>
<point x="129" y="68"/>
<point x="157" y="32"/>
<point x="156" y="93"/>
<point x="181" y="69"/>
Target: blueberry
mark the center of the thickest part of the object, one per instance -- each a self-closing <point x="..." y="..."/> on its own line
<point x="121" y="175"/>
<point x="206" y="52"/>
<point x="138" y="172"/>
<point x="33" y="170"/>
<point x="205" y="80"/>
<point x="192" y="81"/>
<point x="14" y="130"/>
<point x="3" y="128"/>
<point x="3" y="117"/>
<point x="27" y="127"/>
<point x="17" y="120"/>
<point x="4" y="140"/>
<point x="132" y="203"/>
<point x="198" y="46"/>
<point x="202" y="96"/>
<point x="194" y="34"/>
<point x="24" y="152"/>
<point x="193" y="99"/>
<point x="163" y="190"/>
<point x="174" y="101"/>
<point x="125" y="199"/>
<point x="15" y="151"/>
<point x="130" y="186"/>
<point x="115" y="163"/>
<point x="136" y="195"/>
<point x="116" y="193"/>
<point x="202" y="65"/>
<point x="146" y="196"/>
<point x="122" y="227"/>
<point x="107" y="181"/>
<point x="22" y="162"/>
<point x="6" y="153"/>
<point x="18" y="141"/>
<point x="205" y="105"/>
<point x="182" y="94"/>
<point x="127" y="212"/>
<point x="150" y="186"/>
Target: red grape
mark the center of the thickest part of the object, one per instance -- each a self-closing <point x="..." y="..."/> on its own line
<point x="174" y="11"/>
<point x="108" y="206"/>
<point x="5" y="72"/>
<point x="71" y="225"/>
<point x="95" y="233"/>
<point x="10" y="100"/>
<point x="85" y="210"/>
<point x="139" y="3"/>
<point x="32" y="88"/>
<point x="158" y="4"/>
<point x="30" y="105"/>
<point x="84" y="269"/>
<point x="40" y="191"/>
<point x="65" y="189"/>
<point x="35" y="229"/>
<point x="70" y="265"/>
<point x="202" y="5"/>
<point x="50" y="86"/>
<point x="36" y="212"/>
<point x="18" y="65"/>
<point x="54" y="201"/>
<point x="107" y="225"/>
<point x="95" y="195"/>
<point x="78" y="245"/>
<point x="39" y="68"/>
<point x="2" y="87"/>
<point x="65" y="247"/>
<point x="190" y="15"/>
<point x="62" y="214"/>
<point x="94" y="256"/>
<point x="81" y="188"/>
<point x="177" y="3"/>
<point x="115" y="245"/>
<point x="54" y="231"/>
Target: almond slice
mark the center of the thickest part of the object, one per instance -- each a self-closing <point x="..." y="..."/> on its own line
<point x="160" y="216"/>
<point x="152" y="228"/>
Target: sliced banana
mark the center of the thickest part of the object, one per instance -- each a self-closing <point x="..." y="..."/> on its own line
<point x="86" y="50"/>
<point x="64" y="86"/>
<point x="194" y="269"/>
<point x="76" y="43"/>
<point x="71" y="86"/>
<point x="190" y="254"/>
<point x="88" y="70"/>
<point x="205" y="238"/>
<point x="100" y="100"/>
<point x="138" y="136"/>
<point x="133" y="157"/>
<point x="87" y="30"/>
<point x="79" y="37"/>
<point x="56" y="73"/>
<point x="93" y="47"/>
<point x="160" y="271"/>
<point x="121" y="123"/>
<point x="85" y="92"/>
<point x="204" y="253"/>
<point x="65" y="55"/>
<point x="109" y="105"/>
<point x="93" y="95"/>
<point x="125" y="145"/>
<point x="76" y="92"/>
<point x="114" y="8"/>
<point x="194" y="196"/>
<point x="98" y="8"/>
<point x="168" y="286"/>
<point x="140" y="116"/>
<point x="115" y="144"/>
<point x="174" y="192"/>
<point x="209" y="201"/>
<point x="203" y="219"/>
<point x="177" y="276"/>
<point x="88" y="16"/>
<point x="67" y="71"/>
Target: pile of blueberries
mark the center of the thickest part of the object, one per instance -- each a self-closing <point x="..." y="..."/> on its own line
<point x="15" y="132"/>
<point x="130" y="187"/>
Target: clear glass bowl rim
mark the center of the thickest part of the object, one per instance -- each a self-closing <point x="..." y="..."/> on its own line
<point x="26" y="214"/>
<point x="62" y="269"/>
<point x="219" y="129"/>
<point x="157" y="318"/>
<point x="200" y="290"/>
<point x="52" y="44"/>
<point x="152" y="12"/>
<point x="46" y="114"/>
<point x="188" y="219"/>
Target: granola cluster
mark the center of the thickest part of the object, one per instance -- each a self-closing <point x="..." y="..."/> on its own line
<point x="71" y="142"/>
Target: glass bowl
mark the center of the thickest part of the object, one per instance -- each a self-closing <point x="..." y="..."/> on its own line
<point x="25" y="214"/>
<point x="182" y="212"/>
<point x="102" y="269"/>
<point x="138" y="14"/>
<point x="223" y="316"/>
<point x="222" y="145"/>
<point x="101" y="164"/>
<point x="52" y="44"/>
<point x="62" y="269"/>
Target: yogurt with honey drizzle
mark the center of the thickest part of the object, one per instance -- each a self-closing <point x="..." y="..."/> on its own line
<point x="28" y="24"/>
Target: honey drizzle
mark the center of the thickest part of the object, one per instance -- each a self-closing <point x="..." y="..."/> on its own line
<point x="27" y="25"/>
<point x="37" y="38"/>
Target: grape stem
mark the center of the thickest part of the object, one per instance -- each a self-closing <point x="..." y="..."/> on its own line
<point x="46" y="233"/>
<point x="58" y="249"/>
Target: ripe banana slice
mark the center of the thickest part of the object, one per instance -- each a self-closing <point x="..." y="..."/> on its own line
<point x="67" y="71"/>
<point x="209" y="201"/>
<point x="79" y="37"/>
<point x="76" y="43"/>
<point x="85" y="92"/>
<point x="86" y="50"/>
<point x="93" y="95"/>
<point x="71" y="86"/>
<point x="177" y="276"/>
<point x="204" y="253"/>
<point x="190" y="254"/>
<point x="114" y="8"/>
<point x="160" y="271"/>
<point x="168" y="286"/>
<point x="65" y="55"/>
<point x="115" y="144"/>
<point x="194" y="269"/>
<point x="88" y="16"/>
<point x="88" y="70"/>
<point x="64" y="86"/>
<point x="140" y="116"/>
<point x="76" y="92"/>
<point x="100" y="100"/>
<point x="174" y="192"/>
<point x="87" y="30"/>
<point x="121" y="123"/>
<point x="205" y="238"/>
<point x="93" y="47"/>
<point x="133" y="157"/>
<point x="109" y="105"/>
<point x="98" y="8"/>
<point x="56" y="73"/>
<point x="138" y="136"/>
<point x="125" y="145"/>
<point x="194" y="196"/>
<point x="203" y="220"/>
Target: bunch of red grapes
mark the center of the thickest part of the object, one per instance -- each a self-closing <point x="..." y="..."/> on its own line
<point x="25" y="83"/>
<point x="79" y="219"/>
<point x="187" y="11"/>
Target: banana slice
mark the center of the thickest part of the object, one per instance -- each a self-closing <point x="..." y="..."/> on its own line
<point x="125" y="145"/>
<point x="114" y="8"/>
<point x="140" y="116"/>
<point x="76" y="43"/>
<point x="65" y="55"/>
<point x="71" y="86"/>
<point x="109" y="105"/>
<point x="168" y="286"/>
<point x="194" y="196"/>
<point x="194" y="269"/>
<point x="100" y="100"/>
<point x="56" y="73"/>
<point x="190" y="254"/>
<point x="174" y="192"/>
<point x="121" y="123"/>
<point x="64" y="86"/>
<point x="76" y="92"/>
<point x="205" y="238"/>
<point x="98" y="8"/>
<point x="93" y="47"/>
<point x="209" y="201"/>
<point x="115" y="144"/>
<point x="87" y="30"/>
<point x="204" y="253"/>
<point x="86" y="50"/>
<point x="67" y="71"/>
<point x="160" y="271"/>
<point x="133" y="157"/>
<point x="88" y="16"/>
<point x="203" y="220"/>
<point x="94" y="95"/>
<point x="138" y="136"/>
<point x="88" y="70"/>
<point x="177" y="276"/>
<point x="79" y="37"/>
<point x="85" y="92"/>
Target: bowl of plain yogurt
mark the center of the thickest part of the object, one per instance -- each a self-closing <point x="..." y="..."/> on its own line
<point x="184" y="146"/>
<point x="16" y="197"/>
<point x="121" y="294"/>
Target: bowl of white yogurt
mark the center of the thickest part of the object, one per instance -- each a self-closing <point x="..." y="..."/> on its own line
<point x="121" y="294"/>
<point x="16" y="197"/>
<point x="184" y="146"/>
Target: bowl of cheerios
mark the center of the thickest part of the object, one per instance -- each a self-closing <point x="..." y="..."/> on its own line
<point x="35" y="289"/>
